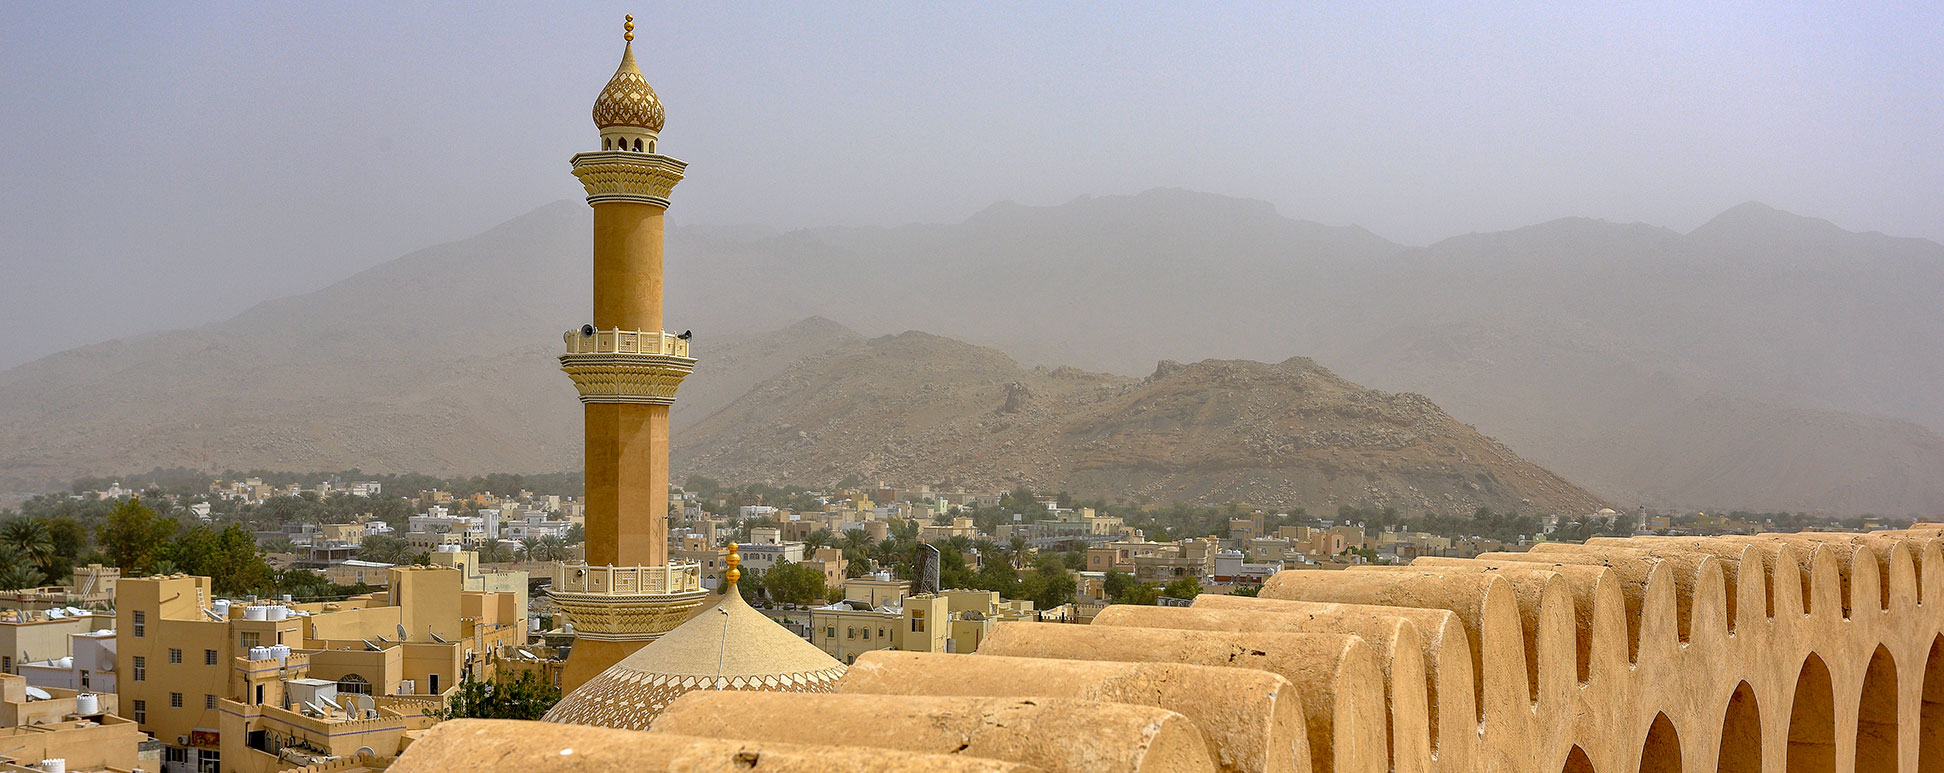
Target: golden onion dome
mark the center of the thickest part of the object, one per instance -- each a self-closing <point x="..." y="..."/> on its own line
<point x="628" y="100"/>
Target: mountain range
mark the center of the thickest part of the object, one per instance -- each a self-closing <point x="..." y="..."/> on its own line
<point x="1763" y="361"/>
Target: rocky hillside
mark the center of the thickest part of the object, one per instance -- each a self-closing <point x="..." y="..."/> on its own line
<point x="917" y="408"/>
<point x="1763" y="361"/>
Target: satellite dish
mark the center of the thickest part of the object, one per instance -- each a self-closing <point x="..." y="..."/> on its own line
<point x="587" y="330"/>
<point x="402" y="636"/>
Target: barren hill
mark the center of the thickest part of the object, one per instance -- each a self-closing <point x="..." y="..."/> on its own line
<point x="1764" y="361"/>
<point x="920" y="409"/>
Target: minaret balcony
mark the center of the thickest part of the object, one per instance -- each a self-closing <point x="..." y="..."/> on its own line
<point x="626" y="366"/>
<point x="626" y="603"/>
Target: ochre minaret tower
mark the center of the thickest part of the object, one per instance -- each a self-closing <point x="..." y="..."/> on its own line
<point x="627" y="369"/>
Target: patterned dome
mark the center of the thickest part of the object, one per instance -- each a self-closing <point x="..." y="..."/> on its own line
<point x="628" y="100"/>
<point x="731" y="647"/>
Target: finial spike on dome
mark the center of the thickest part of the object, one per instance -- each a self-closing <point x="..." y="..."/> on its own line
<point x="629" y="26"/>
<point x="734" y="560"/>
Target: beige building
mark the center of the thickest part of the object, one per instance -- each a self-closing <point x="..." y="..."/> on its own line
<point x="876" y="614"/>
<point x="32" y="634"/>
<point x="62" y="725"/>
<point x="212" y="680"/>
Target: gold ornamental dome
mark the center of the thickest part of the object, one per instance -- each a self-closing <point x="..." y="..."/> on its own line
<point x="628" y="100"/>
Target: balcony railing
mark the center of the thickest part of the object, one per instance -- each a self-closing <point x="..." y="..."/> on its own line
<point x="618" y="341"/>
<point x="677" y="577"/>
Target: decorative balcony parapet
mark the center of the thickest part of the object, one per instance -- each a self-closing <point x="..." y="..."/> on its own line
<point x="626" y="603"/>
<point x="636" y="178"/>
<point x="626" y="366"/>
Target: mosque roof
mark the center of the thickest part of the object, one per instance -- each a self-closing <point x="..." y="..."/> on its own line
<point x="732" y="647"/>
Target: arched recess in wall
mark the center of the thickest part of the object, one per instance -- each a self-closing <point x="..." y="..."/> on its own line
<point x="1930" y="721"/>
<point x="1661" y="752"/>
<point x="1812" y="720"/>
<point x="1741" y="733"/>
<point x="1876" y="716"/>
<point x="1577" y="762"/>
<point x="1931" y="717"/>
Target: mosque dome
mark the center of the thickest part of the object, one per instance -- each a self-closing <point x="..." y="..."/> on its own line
<point x="628" y="100"/>
<point x="731" y="647"/>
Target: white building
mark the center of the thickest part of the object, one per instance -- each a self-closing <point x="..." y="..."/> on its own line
<point x="90" y="667"/>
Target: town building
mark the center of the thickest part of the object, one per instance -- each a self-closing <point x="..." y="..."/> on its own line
<point x="87" y="666"/>
<point x="213" y="680"/>
<point x="81" y="729"/>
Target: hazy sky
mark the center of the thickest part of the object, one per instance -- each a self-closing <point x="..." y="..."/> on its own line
<point x="164" y="166"/>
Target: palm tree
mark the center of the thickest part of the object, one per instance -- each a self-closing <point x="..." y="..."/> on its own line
<point x="30" y="538"/>
<point x="1019" y="548"/>
<point x="550" y="548"/>
<point x="529" y="549"/>
<point x="16" y="572"/>
<point x="495" y="552"/>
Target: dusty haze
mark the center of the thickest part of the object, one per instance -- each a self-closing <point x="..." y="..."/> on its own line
<point x="169" y="166"/>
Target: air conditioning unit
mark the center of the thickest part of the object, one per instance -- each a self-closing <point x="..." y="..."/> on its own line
<point x="182" y="740"/>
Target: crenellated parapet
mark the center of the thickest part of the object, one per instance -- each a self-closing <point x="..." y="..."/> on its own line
<point x="1772" y="652"/>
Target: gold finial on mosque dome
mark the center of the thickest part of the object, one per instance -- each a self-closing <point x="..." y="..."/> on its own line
<point x="629" y="26"/>
<point x="734" y="560"/>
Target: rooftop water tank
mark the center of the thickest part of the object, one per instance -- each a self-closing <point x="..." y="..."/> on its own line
<point x="222" y="608"/>
<point x="280" y="652"/>
<point x="56" y="765"/>
<point x="87" y="704"/>
<point x="278" y="612"/>
<point x="260" y="653"/>
<point x="256" y="612"/>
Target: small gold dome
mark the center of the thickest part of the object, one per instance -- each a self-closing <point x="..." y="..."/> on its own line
<point x="628" y="100"/>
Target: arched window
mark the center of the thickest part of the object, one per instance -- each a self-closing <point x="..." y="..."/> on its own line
<point x="352" y="683"/>
<point x="637" y="145"/>
<point x="651" y="149"/>
<point x="607" y="144"/>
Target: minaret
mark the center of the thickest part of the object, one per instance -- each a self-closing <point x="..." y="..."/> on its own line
<point x="627" y="370"/>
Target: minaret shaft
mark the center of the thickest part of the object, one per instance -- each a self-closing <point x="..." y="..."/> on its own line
<point x="627" y="484"/>
<point x="628" y="265"/>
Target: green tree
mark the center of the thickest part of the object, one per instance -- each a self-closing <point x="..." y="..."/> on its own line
<point x="495" y="552"/>
<point x="31" y="539"/>
<point x="133" y="536"/>
<point x="792" y="583"/>
<point x="1184" y="588"/>
<point x="524" y="696"/>
<point x="16" y="571"/>
<point x="1050" y="584"/>
<point x="385" y="548"/>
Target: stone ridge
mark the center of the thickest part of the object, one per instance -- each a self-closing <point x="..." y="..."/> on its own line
<point x="1812" y="651"/>
<point x="919" y="409"/>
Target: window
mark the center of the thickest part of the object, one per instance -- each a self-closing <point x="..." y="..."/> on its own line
<point x="209" y="761"/>
<point x="209" y="701"/>
<point x="435" y="685"/>
<point x="250" y="639"/>
<point x="209" y="657"/>
<point x="175" y="700"/>
<point x="141" y="623"/>
<point x="141" y="711"/>
<point x="6" y="663"/>
<point x="917" y="622"/>
<point x="141" y="669"/>
<point x="84" y="679"/>
<point x="175" y="754"/>
<point x="353" y="683"/>
<point x="831" y="632"/>
<point x="175" y="656"/>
